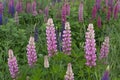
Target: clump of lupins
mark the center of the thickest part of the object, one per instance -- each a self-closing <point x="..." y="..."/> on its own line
<point x="80" y="12"/>
<point x="1" y="13"/>
<point x="46" y="62"/>
<point x="94" y="12"/>
<point x="106" y="74"/>
<point x="19" y="6"/>
<point x="51" y="38"/>
<point x="12" y="63"/>
<point x="34" y="11"/>
<point x="69" y="73"/>
<point x="31" y="52"/>
<point x="16" y="18"/>
<point x="66" y="40"/>
<point x="11" y="7"/>
<point x="99" y="21"/>
<point x="104" y="48"/>
<point x="28" y="7"/>
<point x="90" y="46"/>
<point x="115" y="11"/>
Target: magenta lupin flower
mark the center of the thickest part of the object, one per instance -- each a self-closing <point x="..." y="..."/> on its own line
<point x="51" y="38"/>
<point x="80" y="15"/>
<point x="12" y="63"/>
<point x="108" y="14"/>
<point x="99" y="21"/>
<point x="19" y="6"/>
<point x="69" y="73"/>
<point x="28" y="7"/>
<point x="66" y="40"/>
<point x="94" y="12"/>
<point x="31" y="52"/>
<point x="115" y="11"/>
<point x="34" y="11"/>
<point x="90" y="47"/>
<point x="104" y="48"/>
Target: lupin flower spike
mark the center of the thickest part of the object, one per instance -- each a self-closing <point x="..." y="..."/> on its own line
<point x="46" y="62"/>
<point x="1" y="13"/>
<point x="106" y="74"/>
<point x="90" y="47"/>
<point x="12" y="63"/>
<point x="98" y="4"/>
<point x="51" y="38"/>
<point x="104" y="48"/>
<point x="31" y="52"/>
<point x="34" y="11"/>
<point x="115" y="11"/>
<point x="80" y="15"/>
<point x="99" y="22"/>
<point x="11" y="7"/>
<point x="108" y="14"/>
<point x="69" y="73"/>
<point x="66" y="39"/>
<point x="19" y="6"/>
<point x="28" y="7"/>
<point x="94" y="12"/>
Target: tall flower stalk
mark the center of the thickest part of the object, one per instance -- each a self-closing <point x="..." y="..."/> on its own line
<point x="19" y="6"/>
<point x="104" y="48"/>
<point x="66" y="40"/>
<point x="94" y="12"/>
<point x="108" y="14"/>
<point x="98" y="4"/>
<point x="28" y="7"/>
<point x="51" y="38"/>
<point x="106" y="74"/>
<point x="31" y="52"/>
<point x="1" y="13"/>
<point x="99" y="23"/>
<point x="69" y="73"/>
<point x="11" y="7"/>
<point x="115" y="11"/>
<point x="12" y="63"/>
<point x="90" y="47"/>
<point x="80" y="15"/>
<point x="34" y="11"/>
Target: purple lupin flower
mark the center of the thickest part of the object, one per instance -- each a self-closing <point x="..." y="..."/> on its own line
<point x="99" y="21"/>
<point x="66" y="40"/>
<point x="106" y="74"/>
<point x="94" y="12"/>
<point x="28" y="7"/>
<point x="11" y="8"/>
<point x="12" y="63"/>
<point x="80" y="15"/>
<point x="108" y="14"/>
<point x="115" y="11"/>
<point x="51" y="38"/>
<point x="98" y="4"/>
<point x="69" y="73"/>
<point x="31" y="52"/>
<point x="90" y="47"/>
<point x="19" y="6"/>
<point x="34" y="11"/>
<point x="104" y="48"/>
<point x="1" y="13"/>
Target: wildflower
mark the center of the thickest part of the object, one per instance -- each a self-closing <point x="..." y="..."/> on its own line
<point x="19" y="6"/>
<point x="69" y="73"/>
<point x="99" y="21"/>
<point x="1" y="13"/>
<point x="90" y="47"/>
<point x="106" y="74"/>
<point x="28" y="7"/>
<point x="46" y="62"/>
<point x="66" y="44"/>
<point x="98" y="2"/>
<point x="51" y="38"/>
<point x="81" y="12"/>
<point x="11" y="8"/>
<point x="110" y="4"/>
<point x="94" y="12"/>
<point x="12" y="63"/>
<point x="46" y="11"/>
<point x="104" y="48"/>
<point x="64" y="14"/>
<point x="115" y="12"/>
<point x="31" y="52"/>
<point x="108" y="14"/>
<point x="34" y="4"/>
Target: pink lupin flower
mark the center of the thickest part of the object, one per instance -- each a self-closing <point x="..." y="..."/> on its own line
<point x="108" y="14"/>
<point x="28" y="7"/>
<point x="31" y="52"/>
<point x="34" y="11"/>
<point x="51" y="38"/>
<point x="66" y="40"/>
<point x="69" y="73"/>
<point x="19" y="6"/>
<point x="12" y="63"/>
<point x="80" y="12"/>
<point x="90" y="46"/>
<point x="104" y="48"/>
<point x="115" y="11"/>
<point x="99" y="21"/>
<point x="94" y="12"/>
